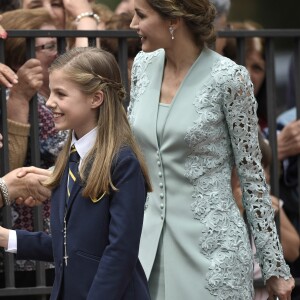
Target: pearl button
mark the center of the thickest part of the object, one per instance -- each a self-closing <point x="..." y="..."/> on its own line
<point x="161" y="185"/>
<point x="158" y="163"/>
<point x="162" y="217"/>
<point x="160" y="174"/>
<point x="161" y="196"/>
<point x="162" y="206"/>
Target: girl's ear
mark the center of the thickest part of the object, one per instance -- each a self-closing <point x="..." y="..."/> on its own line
<point x="97" y="100"/>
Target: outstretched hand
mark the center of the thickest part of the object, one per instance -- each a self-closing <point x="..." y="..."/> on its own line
<point x="279" y="288"/>
<point x="25" y="185"/>
<point x="4" y="233"/>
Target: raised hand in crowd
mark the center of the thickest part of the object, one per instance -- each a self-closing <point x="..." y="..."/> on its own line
<point x="30" y="81"/>
<point x="289" y="140"/>
<point x="77" y="11"/>
<point x="7" y="76"/>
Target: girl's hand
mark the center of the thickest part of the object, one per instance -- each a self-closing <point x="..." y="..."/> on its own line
<point x="4" y="233"/>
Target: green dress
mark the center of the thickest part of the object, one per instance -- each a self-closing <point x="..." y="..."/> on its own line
<point x="194" y="242"/>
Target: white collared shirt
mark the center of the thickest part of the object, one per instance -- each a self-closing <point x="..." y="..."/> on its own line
<point x="83" y="146"/>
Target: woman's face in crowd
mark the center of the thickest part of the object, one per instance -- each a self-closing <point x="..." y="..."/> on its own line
<point x="54" y="7"/>
<point x="151" y="27"/>
<point x="257" y="68"/>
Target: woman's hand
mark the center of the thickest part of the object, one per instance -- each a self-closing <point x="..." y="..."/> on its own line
<point x="7" y="76"/>
<point x="280" y="288"/>
<point x="3" y="33"/>
<point x="75" y="8"/>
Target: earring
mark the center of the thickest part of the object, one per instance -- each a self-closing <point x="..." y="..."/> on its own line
<point x="171" y="29"/>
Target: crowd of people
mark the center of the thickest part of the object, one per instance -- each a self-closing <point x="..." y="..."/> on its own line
<point x="171" y="201"/>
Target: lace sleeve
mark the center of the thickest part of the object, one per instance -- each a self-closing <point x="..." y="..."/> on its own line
<point x="240" y="111"/>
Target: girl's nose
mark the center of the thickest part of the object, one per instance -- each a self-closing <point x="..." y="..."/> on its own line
<point x="50" y="103"/>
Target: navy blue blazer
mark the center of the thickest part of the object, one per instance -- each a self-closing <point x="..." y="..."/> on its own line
<point x="102" y="239"/>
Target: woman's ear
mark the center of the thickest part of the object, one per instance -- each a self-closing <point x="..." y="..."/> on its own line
<point x="97" y="100"/>
<point x="175" y="22"/>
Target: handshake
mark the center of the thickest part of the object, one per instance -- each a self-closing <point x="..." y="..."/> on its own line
<point x="24" y="186"/>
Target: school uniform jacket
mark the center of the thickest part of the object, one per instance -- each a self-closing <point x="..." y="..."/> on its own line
<point x="102" y="239"/>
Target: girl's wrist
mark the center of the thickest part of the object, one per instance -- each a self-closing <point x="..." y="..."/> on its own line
<point x="4" y="234"/>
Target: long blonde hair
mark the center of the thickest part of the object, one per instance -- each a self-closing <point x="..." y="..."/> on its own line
<point x="93" y="69"/>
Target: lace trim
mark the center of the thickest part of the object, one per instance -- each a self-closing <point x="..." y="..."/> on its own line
<point x="224" y="239"/>
<point x="139" y="81"/>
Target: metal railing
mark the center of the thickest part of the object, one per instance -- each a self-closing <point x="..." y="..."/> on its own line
<point x="270" y="37"/>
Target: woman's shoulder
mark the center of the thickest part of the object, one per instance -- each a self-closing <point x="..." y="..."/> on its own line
<point x="144" y="58"/>
<point x="224" y="69"/>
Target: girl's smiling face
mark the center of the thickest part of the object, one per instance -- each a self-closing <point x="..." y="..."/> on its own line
<point x="72" y="109"/>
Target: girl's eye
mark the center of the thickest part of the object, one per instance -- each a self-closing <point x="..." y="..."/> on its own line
<point x="61" y="94"/>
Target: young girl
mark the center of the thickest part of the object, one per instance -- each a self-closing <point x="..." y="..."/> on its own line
<point x="96" y="225"/>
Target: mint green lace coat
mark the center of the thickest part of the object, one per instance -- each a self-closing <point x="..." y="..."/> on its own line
<point x="211" y="126"/>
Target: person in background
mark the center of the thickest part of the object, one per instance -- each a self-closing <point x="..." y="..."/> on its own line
<point x="221" y="21"/>
<point x="289" y="237"/>
<point x="104" y="13"/>
<point x="80" y="11"/>
<point x="121" y="22"/>
<point x="33" y="78"/>
<point x="193" y="114"/>
<point x="14" y="183"/>
<point x="97" y="213"/>
<point x="255" y="63"/>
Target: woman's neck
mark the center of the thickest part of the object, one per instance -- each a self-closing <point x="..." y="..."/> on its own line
<point x="182" y="56"/>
